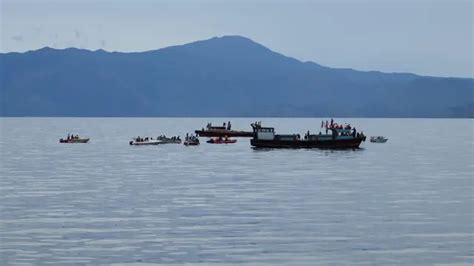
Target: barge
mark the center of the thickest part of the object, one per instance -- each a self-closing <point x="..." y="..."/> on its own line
<point x="265" y="137"/>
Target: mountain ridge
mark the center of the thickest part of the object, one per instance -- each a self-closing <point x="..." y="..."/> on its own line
<point x="216" y="38"/>
<point x="221" y="76"/>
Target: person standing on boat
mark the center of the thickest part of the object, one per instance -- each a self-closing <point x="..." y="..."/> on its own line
<point x="228" y="125"/>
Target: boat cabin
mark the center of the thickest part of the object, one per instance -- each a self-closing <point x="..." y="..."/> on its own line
<point x="265" y="133"/>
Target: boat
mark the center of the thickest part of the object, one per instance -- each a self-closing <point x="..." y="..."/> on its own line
<point x="265" y="137"/>
<point x="138" y="141"/>
<point x="217" y="131"/>
<point x="74" y="140"/>
<point x="144" y="143"/>
<point x="378" y="139"/>
<point x="221" y="141"/>
<point x="191" y="141"/>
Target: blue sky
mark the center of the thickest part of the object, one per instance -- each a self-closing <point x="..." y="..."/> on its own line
<point x="420" y="36"/>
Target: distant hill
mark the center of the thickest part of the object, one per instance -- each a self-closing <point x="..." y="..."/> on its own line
<point x="226" y="76"/>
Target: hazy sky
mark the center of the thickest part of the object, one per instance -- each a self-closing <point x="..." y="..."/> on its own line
<point x="419" y="36"/>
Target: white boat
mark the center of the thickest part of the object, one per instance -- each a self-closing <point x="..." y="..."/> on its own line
<point x="378" y="139"/>
<point x="145" y="142"/>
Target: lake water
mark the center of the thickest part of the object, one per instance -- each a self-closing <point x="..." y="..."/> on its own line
<point x="408" y="201"/>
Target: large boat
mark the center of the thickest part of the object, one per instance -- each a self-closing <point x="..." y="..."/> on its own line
<point x="222" y="131"/>
<point x="265" y="137"/>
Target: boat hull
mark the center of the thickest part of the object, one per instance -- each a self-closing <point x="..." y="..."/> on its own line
<point x="223" y="133"/>
<point x="170" y="141"/>
<point x="144" y="143"/>
<point x="230" y="141"/>
<point x="74" y="141"/>
<point x="379" y="141"/>
<point x="308" y="144"/>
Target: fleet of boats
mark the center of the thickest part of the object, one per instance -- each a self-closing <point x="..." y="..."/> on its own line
<point x="334" y="136"/>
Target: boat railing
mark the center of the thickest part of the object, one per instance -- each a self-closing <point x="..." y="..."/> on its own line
<point x="258" y="128"/>
<point x="216" y="128"/>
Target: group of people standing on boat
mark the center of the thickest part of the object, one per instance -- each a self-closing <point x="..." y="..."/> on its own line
<point x="256" y="125"/>
<point x="332" y="125"/>
<point x="72" y="137"/>
<point x="191" y="137"/>
<point x="345" y="130"/>
<point x="163" y="137"/>
<point x="139" y="139"/>
<point x="225" y="125"/>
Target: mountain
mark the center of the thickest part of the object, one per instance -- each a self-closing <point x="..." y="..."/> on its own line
<point x="226" y="76"/>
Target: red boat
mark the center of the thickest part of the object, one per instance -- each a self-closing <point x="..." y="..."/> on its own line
<point x="221" y="141"/>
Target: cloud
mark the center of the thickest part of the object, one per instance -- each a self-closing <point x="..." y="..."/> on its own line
<point x="17" y="38"/>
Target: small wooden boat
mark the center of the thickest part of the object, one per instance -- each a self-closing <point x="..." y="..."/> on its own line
<point x="85" y="140"/>
<point x="378" y="139"/>
<point x="221" y="141"/>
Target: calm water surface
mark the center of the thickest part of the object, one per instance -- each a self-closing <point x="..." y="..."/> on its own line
<point x="408" y="201"/>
